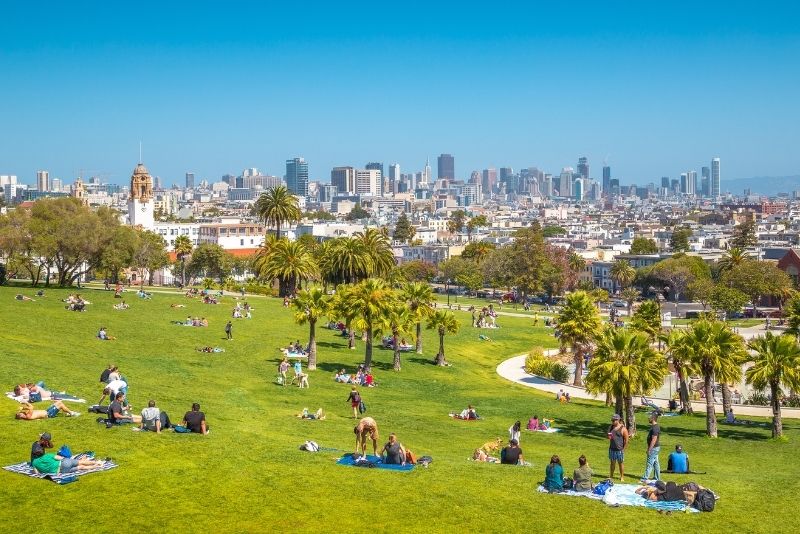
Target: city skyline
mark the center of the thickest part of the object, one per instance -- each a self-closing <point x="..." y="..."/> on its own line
<point x="208" y="94"/>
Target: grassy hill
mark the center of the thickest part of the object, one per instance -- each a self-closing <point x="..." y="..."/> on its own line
<point x="249" y="475"/>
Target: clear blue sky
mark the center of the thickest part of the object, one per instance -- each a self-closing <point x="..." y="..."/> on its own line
<point x="216" y="87"/>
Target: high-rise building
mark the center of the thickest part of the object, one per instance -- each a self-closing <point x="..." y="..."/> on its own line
<point x="507" y="178"/>
<point x="606" y="179"/>
<point x="394" y="177"/>
<point x="475" y="178"/>
<point x="665" y="182"/>
<point x="565" y="181"/>
<point x="425" y="176"/>
<point x="691" y="183"/>
<point x="614" y="184"/>
<point x="715" y="178"/>
<point x="327" y="192"/>
<point x="189" y="180"/>
<point x="675" y="185"/>
<point x="705" y="182"/>
<point x="43" y="180"/>
<point x="368" y="182"/>
<point x="297" y="176"/>
<point x="684" y="182"/>
<point x="56" y="185"/>
<point x="489" y="181"/>
<point x="577" y="188"/>
<point x="344" y="178"/>
<point x="583" y="167"/>
<point x="447" y="167"/>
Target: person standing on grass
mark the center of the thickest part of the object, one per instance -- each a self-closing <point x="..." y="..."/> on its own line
<point x="367" y="427"/>
<point x="514" y="431"/>
<point x="617" y="443"/>
<point x="355" y="400"/>
<point x="229" y="330"/>
<point x="282" y="370"/>
<point x="653" y="449"/>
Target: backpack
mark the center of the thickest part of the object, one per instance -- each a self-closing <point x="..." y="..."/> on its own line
<point x="362" y="407"/>
<point x="704" y="501"/>
<point x="357" y="397"/>
<point x="310" y="446"/>
<point x="165" y="422"/>
<point x="603" y="487"/>
<point x="672" y="492"/>
<point x="411" y="458"/>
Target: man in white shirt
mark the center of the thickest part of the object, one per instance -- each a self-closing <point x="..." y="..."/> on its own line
<point x="151" y="418"/>
<point x="112" y="388"/>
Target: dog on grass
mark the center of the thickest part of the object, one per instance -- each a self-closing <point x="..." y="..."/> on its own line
<point x="492" y="446"/>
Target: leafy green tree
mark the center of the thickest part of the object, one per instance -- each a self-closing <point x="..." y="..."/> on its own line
<point x="718" y="354"/>
<point x="477" y="251"/>
<point x="479" y="221"/>
<point x="679" y="241"/>
<point x="444" y="322"/>
<point x="678" y="272"/>
<point x="419" y="299"/>
<point x="357" y="213"/>
<point x="701" y="290"/>
<point x="417" y="271"/>
<point x="776" y="362"/>
<point x="629" y="295"/>
<point x="744" y="235"/>
<point x="643" y="245"/>
<point x="579" y="324"/>
<point x="311" y="305"/>
<point x="625" y="364"/>
<point x="732" y="258"/>
<point x="371" y="301"/>
<point x="727" y="299"/>
<point x="553" y="231"/>
<point x="288" y="261"/>
<point x="319" y="215"/>
<point x="210" y="260"/>
<point x="150" y="254"/>
<point x="456" y="222"/>
<point x="378" y="248"/>
<point x="397" y="322"/>
<point x="276" y="207"/>
<point x="346" y="261"/>
<point x="647" y="319"/>
<point x="404" y="231"/>
<point x="757" y="279"/>
<point x="118" y="254"/>
<point x="183" y="249"/>
<point x="679" y="354"/>
<point x="622" y="273"/>
<point x="341" y="309"/>
<point x="792" y="312"/>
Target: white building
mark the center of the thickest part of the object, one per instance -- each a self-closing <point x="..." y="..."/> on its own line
<point x="369" y="182"/>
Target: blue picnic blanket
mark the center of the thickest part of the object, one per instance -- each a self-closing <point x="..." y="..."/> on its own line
<point x="349" y="460"/>
<point x="24" y="468"/>
<point x="625" y="495"/>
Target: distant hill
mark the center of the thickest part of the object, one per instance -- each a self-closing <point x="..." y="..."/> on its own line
<point x="762" y="185"/>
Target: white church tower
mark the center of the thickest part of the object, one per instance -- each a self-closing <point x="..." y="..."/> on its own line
<point x="140" y="202"/>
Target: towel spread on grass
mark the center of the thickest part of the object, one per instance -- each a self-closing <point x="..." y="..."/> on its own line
<point x="24" y="468"/>
<point x="625" y="495"/>
<point x="62" y="396"/>
<point x="349" y="460"/>
<point x="547" y="430"/>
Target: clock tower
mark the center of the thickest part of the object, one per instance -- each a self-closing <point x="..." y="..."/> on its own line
<point x="140" y="201"/>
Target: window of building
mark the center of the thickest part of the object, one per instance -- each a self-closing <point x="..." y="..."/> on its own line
<point x="241" y="242"/>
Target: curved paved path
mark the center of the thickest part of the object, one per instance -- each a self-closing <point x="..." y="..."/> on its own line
<point x="513" y="369"/>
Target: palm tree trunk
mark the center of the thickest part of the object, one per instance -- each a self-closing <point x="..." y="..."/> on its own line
<point x="183" y="271"/>
<point x="777" y="422"/>
<point x="711" y="416"/>
<point x="630" y="416"/>
<point x="726" y="399"/>
<point x="351" y="336"/>
<point x="440" y="359"/>
<point x="619" y="405"/>
<point x="577" y="357"/>
<point x="312" y="344"/>
<point x="419" y="338"/>
<point x="683" y="391"/>
<point x="396" y="345"/>
<point x="368" y="349"/>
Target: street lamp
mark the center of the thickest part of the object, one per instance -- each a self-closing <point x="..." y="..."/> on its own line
<point x="447" y="290"/>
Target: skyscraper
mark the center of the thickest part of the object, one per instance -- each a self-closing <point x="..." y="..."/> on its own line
<point x="665" y="182"/>
<point x="489" y="181"/>
<point x="705" y="182"/>
<point x="447" y="167"/>
<point x="297" y="176"/>
<point x="43" y="180"/>
<point x="344" y="178"/>
<point x="607" y="180"/>
<point x="715" y="178"/>
<point x="565" y="182"/>
<point x="368" y="182"/>
<point x="691" y="183"/>
<point x="684" y="182"/>
<point x="577" y="188"/>
<point x="189" y="180"/>
<point x="583" y="167"/>
<point x="394" y="177"/>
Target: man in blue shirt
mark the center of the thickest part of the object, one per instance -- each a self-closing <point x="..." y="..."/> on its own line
<point x="678" y="461"/>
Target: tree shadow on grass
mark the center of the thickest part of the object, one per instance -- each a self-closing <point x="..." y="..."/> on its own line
<point x="332" y="345"/>
<point x="422" y="361"/>
<point x="584" y="429"/>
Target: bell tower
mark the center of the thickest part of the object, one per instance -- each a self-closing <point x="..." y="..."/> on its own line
<point x="140" y="201"/>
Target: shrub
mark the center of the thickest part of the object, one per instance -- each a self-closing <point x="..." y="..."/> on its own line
<point x="536" y="363"/>
<point x="757" y="399"/>
<point x="559" y="372"/>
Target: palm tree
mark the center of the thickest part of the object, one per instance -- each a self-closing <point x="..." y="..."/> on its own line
<point x="379" y="249"/>
<point x="625" y="364"/>
<point x="629" y="295"/>
<point x="776" y="362"/>
<point x="732" y="258"/>
<point x="277" y="206"/>
<point x="443" y="321"/>
<point x="792" y="311"/>
<point x="288" y="261"/>
<point x="342" y="310"/>
<point x="396" y="323"/>
<point x="183" y="247"/>
<point x="419" y="298"/>
<point x="678" y="354"/>
<point x="310" y="305"/>
<point x="622" y="273"/>
<point x="718" y="354"/>
<point x="347" y="261"/>
<point x="370" y="303"/>
<point x="647" y="319"/>
<point x="578" y="324"/>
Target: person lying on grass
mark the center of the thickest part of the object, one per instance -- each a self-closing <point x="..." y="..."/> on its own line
<point x="467" y="413"/>
<point x="27" y="413"/>
<point x="121" y="306"/>
<point x="210" y="349"/>
<point x="20" y="296"/>
<point x="317" y="416"/>
<point x="53" y="464"/>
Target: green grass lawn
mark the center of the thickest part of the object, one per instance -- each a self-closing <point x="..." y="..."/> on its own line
<point x="248" y="474"/>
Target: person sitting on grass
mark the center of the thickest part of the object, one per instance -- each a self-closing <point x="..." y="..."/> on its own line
<point x="393" y="452"/>
<point x="102" y="335"/>
<point x="27" y="413"/>
<point x="512" y="454"/>
<point x="582" y="476"/>
<point x="54" y="464"/>
<point x="195" y="420"/>
<point x="39" y="446"/>
<point x="121" y="306"/>
<point x="366" y="427"/>
<point x="678" y="461"/>
<point x="467" y="413"/>
<point x="341" y="377"/>
<point x="119" y="413"/>
<point x="151" y="418"/>
<point x="554" y="475"/>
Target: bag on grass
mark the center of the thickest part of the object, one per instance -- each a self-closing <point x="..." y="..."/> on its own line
<point x="35" y="397"/>
<point x="181" y="429"/>
<point x="411" y="458"/>
<point x="704" y="500"/>
<point x="603" y="487"/>
<point x="65" y="451"/>
<point x="362" y="407"/>
<point x="310" y="446"/>
<point x="568" y="484"/>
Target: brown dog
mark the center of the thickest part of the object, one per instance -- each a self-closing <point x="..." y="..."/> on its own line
<point x="492" y="446"/>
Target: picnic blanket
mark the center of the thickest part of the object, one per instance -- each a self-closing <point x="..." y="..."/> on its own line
<point x="24" y="468"/>
<point x="349" y="460"/>
<point x="62" y="396"/>
<point x="625" y="495"/>
<point x="547" y="430"/>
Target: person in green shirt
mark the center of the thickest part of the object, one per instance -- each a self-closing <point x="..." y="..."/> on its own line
<point x="582" y="476"/>
<point x="554" y="475"/>
<point x="53" y="464"/>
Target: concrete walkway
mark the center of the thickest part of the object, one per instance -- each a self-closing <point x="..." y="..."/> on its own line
<point x="513" y="369"/>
